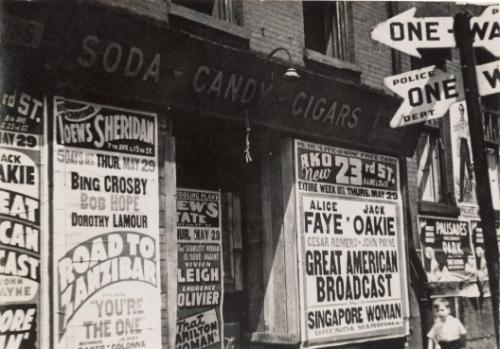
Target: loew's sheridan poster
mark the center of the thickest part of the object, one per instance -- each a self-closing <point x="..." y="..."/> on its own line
<point x="351" y="246"/>
<point x="106" y="220"/>
<point x="200" y="268"/>
<point x="21" y="124"/>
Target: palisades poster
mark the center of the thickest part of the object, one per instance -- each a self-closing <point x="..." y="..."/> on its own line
<point x="352" y="265"/>
<point x="21" y="126"/>
<point x="447" y="253"/>
<point x="199" y="274"/>
<point x="106" y="289"/>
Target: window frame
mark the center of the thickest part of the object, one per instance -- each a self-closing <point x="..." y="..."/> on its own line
<point x="229" y="11"/>
<point x="440" y="192"/>
<point x="335" y="32"/>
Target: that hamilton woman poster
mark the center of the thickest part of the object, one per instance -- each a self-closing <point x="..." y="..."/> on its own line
<point x="200" y="270"/>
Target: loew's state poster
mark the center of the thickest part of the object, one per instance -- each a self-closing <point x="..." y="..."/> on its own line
<point x="200" y="270"/>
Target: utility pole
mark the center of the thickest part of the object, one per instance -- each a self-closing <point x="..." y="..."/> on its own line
<point x="464" y="39"/>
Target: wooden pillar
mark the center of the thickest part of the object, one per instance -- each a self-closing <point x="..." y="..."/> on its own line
<point x="279" y="322"/>
<point x="289" y="233"/>
<point x="168" y="242"/>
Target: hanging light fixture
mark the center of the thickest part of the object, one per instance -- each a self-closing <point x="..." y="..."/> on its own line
<point x="291" y="73"/>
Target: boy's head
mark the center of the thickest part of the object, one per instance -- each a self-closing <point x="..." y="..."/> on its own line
<point x="442" y="308"/>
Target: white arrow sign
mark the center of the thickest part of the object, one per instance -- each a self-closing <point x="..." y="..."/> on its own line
<point x="407" y="33"/>
<point x="427" y="92"/>
<point x="486" y="30"/>
<point x="488" y="78"/>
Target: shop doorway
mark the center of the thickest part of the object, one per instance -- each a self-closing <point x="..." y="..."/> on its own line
<point x="210" y="156"/>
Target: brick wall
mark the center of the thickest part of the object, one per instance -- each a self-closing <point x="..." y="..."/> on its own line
<point x="275" y="24"/>
<point x="373" y="58"/>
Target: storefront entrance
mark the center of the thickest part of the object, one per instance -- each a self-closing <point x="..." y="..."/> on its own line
<point x="210" y="157"/>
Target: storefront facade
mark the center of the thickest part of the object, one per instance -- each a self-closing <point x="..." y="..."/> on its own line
<point x="181" y="194"/>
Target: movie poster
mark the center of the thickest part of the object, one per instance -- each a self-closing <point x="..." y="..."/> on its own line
<point x="351" y="249"/>
<point x="447" y="250"/>
<point x="200" y="270"/>
<point x="480" y="258"/>
<point x="105" y="227"/>
<point x="463" y="172"/>
<point x="22" y="114"/>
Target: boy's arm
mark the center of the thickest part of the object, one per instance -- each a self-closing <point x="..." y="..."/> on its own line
<point x="462" y="340"/>
<point x="462" y="332"/>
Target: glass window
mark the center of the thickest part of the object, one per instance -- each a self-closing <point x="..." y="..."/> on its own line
<point x="328" y="28"/>
<point x="437" y="57"/>
<point x="491" y="127"/>
<point x="226" y="10"/>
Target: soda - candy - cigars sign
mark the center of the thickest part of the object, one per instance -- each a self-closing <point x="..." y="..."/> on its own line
<point x="351" y="246"/>
<point x="99" y="51"/>
<point x="106" y="249"/>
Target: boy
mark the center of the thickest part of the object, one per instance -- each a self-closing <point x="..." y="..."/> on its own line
<point x="447" y="330"/>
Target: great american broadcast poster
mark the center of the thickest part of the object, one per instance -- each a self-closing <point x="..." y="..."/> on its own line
<point x="352" y="265"/>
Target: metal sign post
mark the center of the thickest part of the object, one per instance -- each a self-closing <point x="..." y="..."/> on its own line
<point x="464" y="39"/>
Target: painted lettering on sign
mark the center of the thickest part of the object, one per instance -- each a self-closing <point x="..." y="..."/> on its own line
<point x="21" y="31"/>
<point x="113" y="57"/>
<point x="229" y="86"/>
<point x="414" y="31"/>
<point x="327" y="111"/>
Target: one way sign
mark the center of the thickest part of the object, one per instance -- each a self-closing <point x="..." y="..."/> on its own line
<point x="407" y="33"/>
<point x="488" y="78"/>
<point x="486" y="30"/>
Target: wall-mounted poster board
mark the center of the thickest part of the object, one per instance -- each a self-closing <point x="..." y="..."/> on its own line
<point x="105" y="240"/>
<point x="447" y="253"/>
<point x="200" y="270"/>
<point x="22" y="115"/>
<point x="352" y="265"/>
